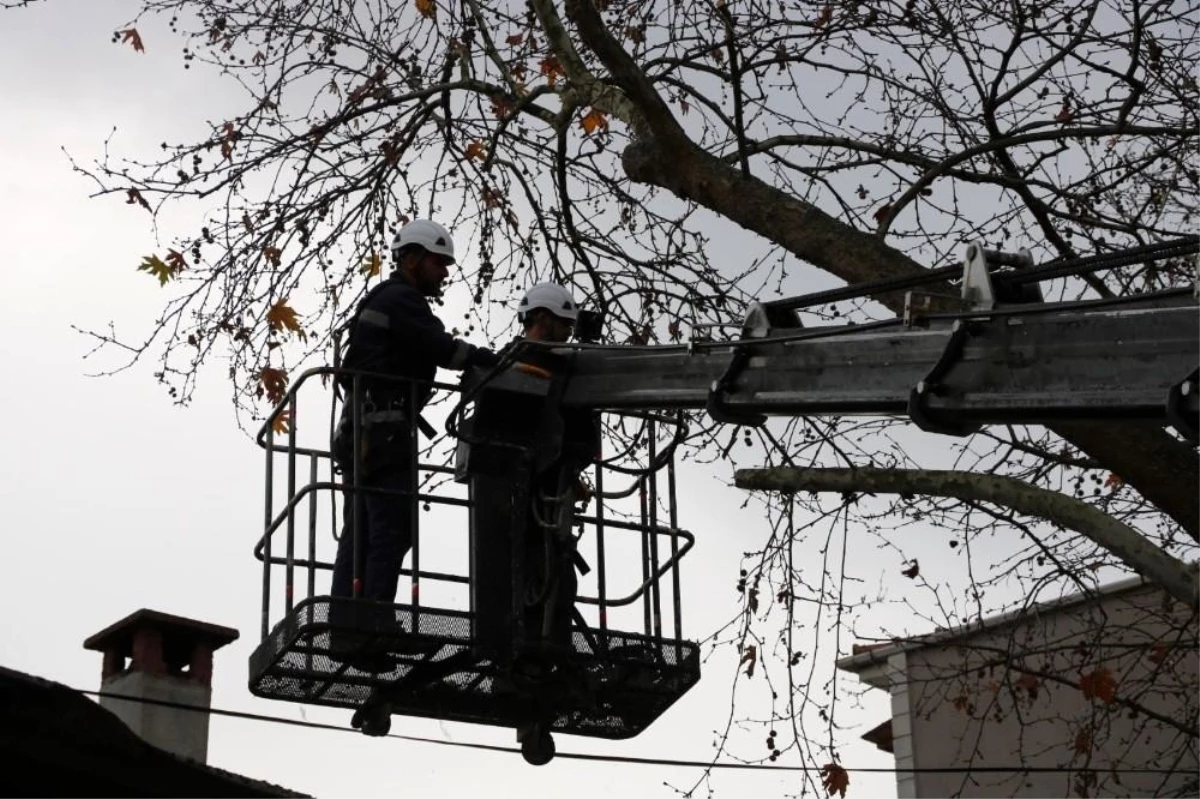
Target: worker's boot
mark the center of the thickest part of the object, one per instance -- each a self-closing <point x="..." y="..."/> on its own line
<point x="358" y="630"/>
<point x="367" y="636"/>
<point x="360" y="651"/>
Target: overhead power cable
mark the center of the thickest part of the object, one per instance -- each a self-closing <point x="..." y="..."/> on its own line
<point x="636" y="761"/>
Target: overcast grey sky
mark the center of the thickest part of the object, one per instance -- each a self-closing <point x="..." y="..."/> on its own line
<point x="115" y="499"/>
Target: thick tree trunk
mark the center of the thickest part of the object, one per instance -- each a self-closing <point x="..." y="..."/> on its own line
<point x="803" y="229"/>
<point x="1161" y="468"/>
<point x="1127" y="544"/>
<point x="1148" y="459"/>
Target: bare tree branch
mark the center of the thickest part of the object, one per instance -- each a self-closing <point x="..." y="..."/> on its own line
<point x="1125" y="543"/>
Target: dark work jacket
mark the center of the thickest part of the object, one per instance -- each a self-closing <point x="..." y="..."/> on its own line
<point x="394" y="332"/>
<point x="580" y="428"/>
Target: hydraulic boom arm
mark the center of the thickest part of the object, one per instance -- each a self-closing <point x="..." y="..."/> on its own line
<point x="1028" y="363"/>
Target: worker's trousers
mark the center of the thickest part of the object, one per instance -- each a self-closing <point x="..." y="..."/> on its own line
<point x="385" y="519"/>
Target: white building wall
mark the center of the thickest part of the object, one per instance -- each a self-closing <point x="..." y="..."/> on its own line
<point x="1012" y="697"/>
<point x="902" y="740"/>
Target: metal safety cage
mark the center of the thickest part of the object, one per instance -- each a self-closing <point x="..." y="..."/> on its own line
<point x="613" y="684"/>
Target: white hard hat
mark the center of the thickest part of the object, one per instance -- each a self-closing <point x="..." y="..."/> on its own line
<point x="424" y="233"/>
<point x="551" y="296"/>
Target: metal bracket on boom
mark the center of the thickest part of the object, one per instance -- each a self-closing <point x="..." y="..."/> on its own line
<point x="760" y="320"/>
<point x="716" y="405"/>
<point x="932" y="384"/>
<point x="977" y="289"/>
<point x="979" y="292"/>
<point x="1181" y="406"/>
<point x="915" y="307"/>
<point x="918" y="305"/>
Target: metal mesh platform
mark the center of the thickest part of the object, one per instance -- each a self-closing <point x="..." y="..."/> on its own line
<point x="613" y="685"/>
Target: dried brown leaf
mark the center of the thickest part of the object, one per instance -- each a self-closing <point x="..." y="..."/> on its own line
<point x="274" y="382"/>
<point x="1099" y="684"/>
<point x="835" y="779"/>
<point x="134" y="39"/>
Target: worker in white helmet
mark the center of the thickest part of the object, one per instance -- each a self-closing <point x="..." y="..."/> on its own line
<point x="394" y="333"/>
<point x="547" y="312"/>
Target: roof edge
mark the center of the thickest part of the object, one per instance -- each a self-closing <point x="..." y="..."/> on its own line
<point x="215" y="634"/>
<point x="862" y="660"/>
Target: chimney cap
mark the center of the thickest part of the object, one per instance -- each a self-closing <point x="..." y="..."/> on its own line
<point x="118" y="637"/>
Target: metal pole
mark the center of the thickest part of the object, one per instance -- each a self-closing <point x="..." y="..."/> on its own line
<point x="518" y="571"/>
<point x="414" y="466"/>
<point x="673" y="510"/>
<point x="602" y="589"/>
<point x="266" y="580"/>
<point x="312" y="527"/>
<point x="646" y="625"/>
<point x="290" y="554"/>
<point x="655" y="588"/>
<point x="312" y="543"/>
<point x="355" y="497"/>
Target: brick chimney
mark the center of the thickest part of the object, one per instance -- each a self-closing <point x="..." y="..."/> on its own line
<point x="152" y="655"/>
